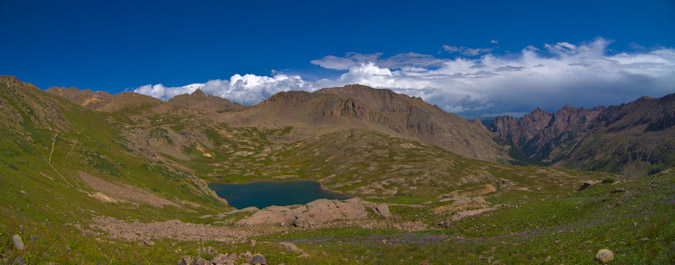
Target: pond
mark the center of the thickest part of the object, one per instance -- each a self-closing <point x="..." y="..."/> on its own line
<point x="267" y="193"/>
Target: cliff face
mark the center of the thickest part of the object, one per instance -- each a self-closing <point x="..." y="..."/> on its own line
<point x="634" y="138"/>
<point x="539" y="127"/>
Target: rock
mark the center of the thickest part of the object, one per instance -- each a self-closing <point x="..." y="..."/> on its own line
<point x="18" y="243"/>
<point x="313" y="213"/>
<point x="246" y="256"/>
<point x="445" y="224"/>
<point x="220" y="259"/>
<point x="200" y="261"/>
<point x="19" y="261"/>
<point x="258" y="259"/>
<point x="148" y="242"/>
<point x="463" y="214"/>
<point x="206" y="250"/>
<point x="291" y="247"/>
<point x="604" y="255"/>
<point x="34" y="238"/>
<point x="22" y="192"/>
<point x="252" y="243"/>
<point x="187" y="260"/>
<point x="383" y="210"/>
<point x="68" y="248"/>
<point x="617" y="190"/>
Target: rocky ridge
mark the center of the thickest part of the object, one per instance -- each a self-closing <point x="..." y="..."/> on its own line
<point x="200" y="100"/>
<point x="634" y="138"/>
<point x="355" y="106"/>
<point x="534" y="132"/>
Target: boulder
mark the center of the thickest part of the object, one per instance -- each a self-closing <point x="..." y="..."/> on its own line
<point x="617" y="190"/>
<point x="323" y="210"/>
<point x="383" y="210"/>
<point x="291" y="247"/>
<point x="200" y="261"/>
<point x="316" y="212"/>
<point x="220" y="259"/>
<point x="258" y="259"/>
<point x="463" y="214"/>
<point x="18" y="243"/>
<point x="187" y="260"/>
<point x="604" y="256"/>
<point x="148" y="242"/>
<point x="588" y="183"/>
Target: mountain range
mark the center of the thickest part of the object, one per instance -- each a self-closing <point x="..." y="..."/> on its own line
<point x="124" y="178"/>
<point x="636" y="138"/>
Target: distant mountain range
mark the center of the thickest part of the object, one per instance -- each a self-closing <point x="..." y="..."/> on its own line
<point x="636" y="138"/>
<point x="365" y="142"/>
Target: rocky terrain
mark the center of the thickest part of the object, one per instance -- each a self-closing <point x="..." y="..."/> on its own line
<point x="96" y="178"/>
<point x="354" y="106"/>
<point x="534" y="132"/>
<point x="634" y="138"/>
<point x="200" y="100"/>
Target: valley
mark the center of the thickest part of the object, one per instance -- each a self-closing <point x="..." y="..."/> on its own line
<point x="89" y="177"/>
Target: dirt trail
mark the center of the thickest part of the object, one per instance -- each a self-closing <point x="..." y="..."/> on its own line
<point x="72" y="148"/>
<point x="49" y="162"/>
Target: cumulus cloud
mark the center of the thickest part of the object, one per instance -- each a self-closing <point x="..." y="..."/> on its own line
<point x="563" y="73"/>
<point x="244" y="89"/>
<point x="581" y="74"/>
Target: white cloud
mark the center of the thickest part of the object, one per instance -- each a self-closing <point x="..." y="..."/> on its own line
<point x="577" y="74"/>
<point x="494" y="41"/>
<point x="562" y="73"/>
<point x="247" y="89"/>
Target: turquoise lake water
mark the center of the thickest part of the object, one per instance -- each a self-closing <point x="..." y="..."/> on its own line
<point x="263" y="194"/>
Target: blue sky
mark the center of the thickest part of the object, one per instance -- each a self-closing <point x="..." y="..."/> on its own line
<point x="474" y="58"/>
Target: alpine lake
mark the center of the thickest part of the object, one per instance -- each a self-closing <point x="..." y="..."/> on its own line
<point x="268" y="193"/>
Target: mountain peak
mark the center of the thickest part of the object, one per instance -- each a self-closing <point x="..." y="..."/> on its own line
<point x="382" y="110"/>
<point x="198" y="93"/>
<point x="198" y="99"/>
<point x="538" y="110"/>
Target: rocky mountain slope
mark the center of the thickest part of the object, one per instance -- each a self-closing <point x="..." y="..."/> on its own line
<point x="328" y="110"/>
<point x="200" y="100"/>
<point x="634" y="138"/>
<point x="124" y="182"/>
<point x="354" y="106"/>
<point x="102" y="100"/>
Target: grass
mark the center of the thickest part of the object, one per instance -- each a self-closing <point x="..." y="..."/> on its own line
<point x="549" y="223"/>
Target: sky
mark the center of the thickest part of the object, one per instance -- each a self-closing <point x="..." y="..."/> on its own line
<point x="472" y="58"/>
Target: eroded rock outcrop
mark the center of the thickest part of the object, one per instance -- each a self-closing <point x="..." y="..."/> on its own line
<point x="313" y="213"/>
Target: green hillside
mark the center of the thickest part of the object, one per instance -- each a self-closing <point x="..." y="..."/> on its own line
<point x="127" y="185"/>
